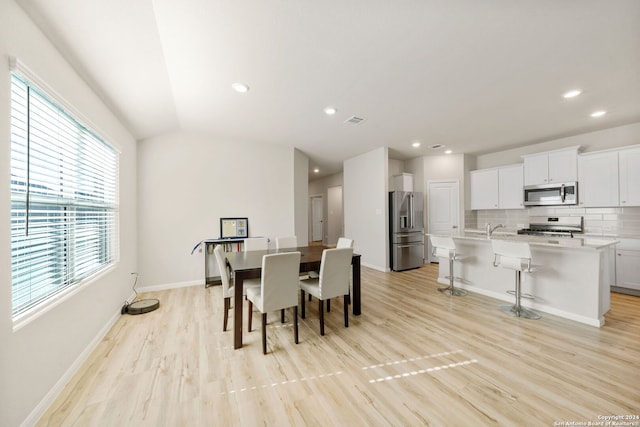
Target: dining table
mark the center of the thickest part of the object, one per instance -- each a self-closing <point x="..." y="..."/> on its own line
<point x="248" y="265"/>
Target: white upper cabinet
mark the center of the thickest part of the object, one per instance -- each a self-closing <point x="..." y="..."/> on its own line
<point x="598" y="179"/>
<point x="536" y="169"/>
<point x="551" y="166"/>
<point x="484" y="189"/>
<point x="629" y="164"/>
<point x="497" y="188"/>
<point x="510" y="187"/>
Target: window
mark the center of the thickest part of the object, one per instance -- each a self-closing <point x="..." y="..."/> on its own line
<point x="63" y="198"/>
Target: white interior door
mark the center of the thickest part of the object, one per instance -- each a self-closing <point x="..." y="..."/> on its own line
<point x="334" y="215"/>
<point x="443" y="204"/>
<point x="316" y="218"/>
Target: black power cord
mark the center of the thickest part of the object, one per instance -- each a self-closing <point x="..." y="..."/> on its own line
<point x="141" y="306"/>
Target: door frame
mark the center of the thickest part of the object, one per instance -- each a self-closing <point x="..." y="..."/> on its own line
<point x="427" y="245"/>
<point x="311" y="217"/>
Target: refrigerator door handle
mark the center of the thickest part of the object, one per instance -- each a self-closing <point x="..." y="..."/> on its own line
<point x="410" y="210"/>
<point x="410" y="246"/>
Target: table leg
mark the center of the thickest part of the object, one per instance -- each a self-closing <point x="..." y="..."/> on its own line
<point x="237" y="310"/>
<point x="355" y="262"/>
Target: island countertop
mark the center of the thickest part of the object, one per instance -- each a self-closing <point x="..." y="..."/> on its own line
<point x="572" y="281"/>
<point x="579" y="242"/>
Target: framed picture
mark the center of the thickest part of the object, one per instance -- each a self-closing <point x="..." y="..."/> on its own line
<point x="234" y="228"/>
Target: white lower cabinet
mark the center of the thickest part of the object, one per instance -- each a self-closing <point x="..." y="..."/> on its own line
<point x="628" y="269"/>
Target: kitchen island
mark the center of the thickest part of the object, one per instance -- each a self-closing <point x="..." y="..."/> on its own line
<point x="572" y="279"/>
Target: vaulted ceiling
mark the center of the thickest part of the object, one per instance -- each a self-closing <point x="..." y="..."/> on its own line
<point x="474" y="76"/>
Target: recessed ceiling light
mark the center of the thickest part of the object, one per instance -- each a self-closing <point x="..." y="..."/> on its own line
<point x="448" y="152"/>
<point x="330" y="111"/>
<point x="598" y="113"/>
<point x="572" y="93"/>
<point x="240" y="87"/>
<point x="316" y="170"/>
<point x="416" y="144"/>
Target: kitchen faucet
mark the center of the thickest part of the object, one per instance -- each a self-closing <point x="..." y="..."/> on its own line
<point x="490" y="229"/>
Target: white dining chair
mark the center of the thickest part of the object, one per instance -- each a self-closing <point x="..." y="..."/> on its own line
<point x="277" y="289"/>
<point x="227" y="287"/>
<point x="332" y="282"/>
<point x="256" y="244"/>
<point x="343" y="242"/>
<point x="286" y="242"/>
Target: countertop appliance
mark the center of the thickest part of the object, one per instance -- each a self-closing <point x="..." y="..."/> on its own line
<point x="564" y="226"/>
<point x="406" y="230"/>
<point x="551" y="194"/>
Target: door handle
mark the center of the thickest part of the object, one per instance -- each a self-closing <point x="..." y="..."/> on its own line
<point x="410" y="210"/>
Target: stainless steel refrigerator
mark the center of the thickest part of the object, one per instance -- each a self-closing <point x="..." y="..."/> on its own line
<point x="406" y="230"/>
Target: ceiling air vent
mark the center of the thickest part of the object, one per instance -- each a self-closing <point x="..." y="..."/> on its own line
<point x="354" y="120"/>
<point x="436" y="146"/>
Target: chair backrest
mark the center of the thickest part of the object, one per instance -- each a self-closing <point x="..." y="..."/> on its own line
<point x="224" y="271"/>
<point x="442" y="246"/>
<point x="511" y="254"/>
<point x="280" y="281"/>
<point x="343" y="242"/>
<point x="286" y="242"/>
<point x="256" y="244"/>
<point x="335" y="270"/>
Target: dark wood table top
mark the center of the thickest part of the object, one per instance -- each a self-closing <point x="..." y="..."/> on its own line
<point x="253" y="259"/>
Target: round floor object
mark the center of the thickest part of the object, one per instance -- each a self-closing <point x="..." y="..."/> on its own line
<point x="141" y="306"/>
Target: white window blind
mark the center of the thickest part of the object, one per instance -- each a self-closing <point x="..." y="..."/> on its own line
<point x="63" y="198"/>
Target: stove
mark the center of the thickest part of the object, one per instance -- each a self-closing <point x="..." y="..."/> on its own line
<point x="559" y="226"/>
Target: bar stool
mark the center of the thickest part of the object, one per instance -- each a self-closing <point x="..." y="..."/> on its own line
<point x="445" y="247"/>
<point x="515" y="256"/>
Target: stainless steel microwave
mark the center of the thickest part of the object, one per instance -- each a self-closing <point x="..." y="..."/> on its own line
<point x="551" y="194"/>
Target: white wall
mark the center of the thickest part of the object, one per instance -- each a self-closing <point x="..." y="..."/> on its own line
<point x="37" y="359"/>
<point x="366" y="207"/>
<point x="187" y="182"/>
<point x="395" y="167"/>
<point x="301" y="189"/>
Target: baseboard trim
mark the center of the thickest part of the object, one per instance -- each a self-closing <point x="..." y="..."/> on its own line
<point x="174" y="285"/>
<point x="599" y="322"/>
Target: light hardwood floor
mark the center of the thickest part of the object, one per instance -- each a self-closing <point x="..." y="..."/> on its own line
<point x="414" y="357"/>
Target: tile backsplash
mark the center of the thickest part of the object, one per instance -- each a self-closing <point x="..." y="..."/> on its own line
<point x="610" y="221"/>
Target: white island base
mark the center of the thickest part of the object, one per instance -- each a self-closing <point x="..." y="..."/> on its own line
<point x="570" y="282"/>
